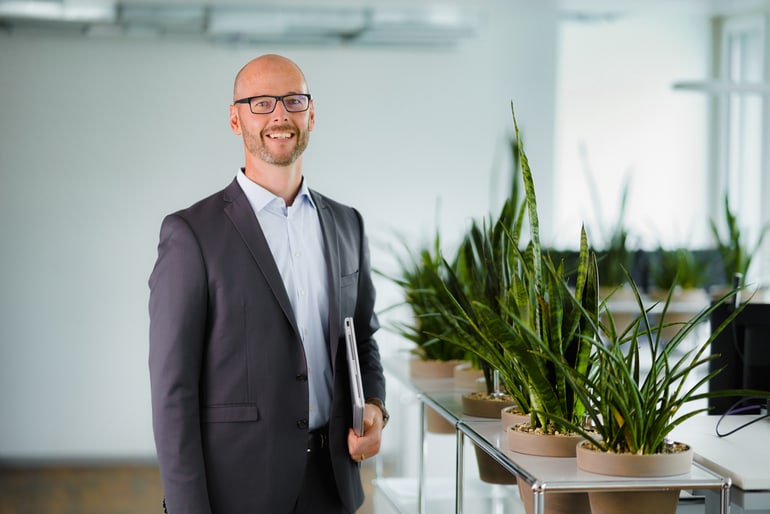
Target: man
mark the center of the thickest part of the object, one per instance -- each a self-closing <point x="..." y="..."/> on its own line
<point x="250" y="387"/>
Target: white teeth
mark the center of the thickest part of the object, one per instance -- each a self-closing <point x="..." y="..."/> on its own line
<point x="282" y="135"/>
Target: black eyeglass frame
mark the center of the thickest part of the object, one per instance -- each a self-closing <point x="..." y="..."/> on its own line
<point x="277" y="99"/>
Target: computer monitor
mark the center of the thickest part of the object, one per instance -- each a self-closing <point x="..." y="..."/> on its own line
<point x="744" y="351"/>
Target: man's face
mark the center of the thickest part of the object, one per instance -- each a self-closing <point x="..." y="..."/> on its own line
<point x="280" y="137"/>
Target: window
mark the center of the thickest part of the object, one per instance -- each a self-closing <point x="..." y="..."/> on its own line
<point x="742" y="127"/>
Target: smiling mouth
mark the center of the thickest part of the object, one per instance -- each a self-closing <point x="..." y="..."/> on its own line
<point x="280" y="135"/>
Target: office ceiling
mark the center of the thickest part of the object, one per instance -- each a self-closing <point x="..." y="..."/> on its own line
<point x="242" y="22"/>
<point x="423" y="23"/>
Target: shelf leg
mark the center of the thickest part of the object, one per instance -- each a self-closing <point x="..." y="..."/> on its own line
<point x="725" y="508"/>
<point x="421" y="462"/>
<point x="459" y="464"/>
<point x="538" y="501"/>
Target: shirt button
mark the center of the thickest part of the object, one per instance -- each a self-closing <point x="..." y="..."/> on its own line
<point x="302" y="423"/>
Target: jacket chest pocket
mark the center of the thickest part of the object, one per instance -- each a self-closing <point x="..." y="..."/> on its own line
<point x="348" y="292"/>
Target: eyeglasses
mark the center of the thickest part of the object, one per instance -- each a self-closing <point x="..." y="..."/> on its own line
<point x="265" y="104"/>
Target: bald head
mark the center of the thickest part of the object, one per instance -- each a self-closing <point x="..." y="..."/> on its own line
<point x="265" y="72"/>
<point x="274" y="140"/>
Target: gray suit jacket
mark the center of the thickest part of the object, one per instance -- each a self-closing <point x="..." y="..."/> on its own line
<point x="227" y="366"/>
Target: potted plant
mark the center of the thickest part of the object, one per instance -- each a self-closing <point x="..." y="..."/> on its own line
<point x="420" y="280"/>
<point x="632" y="411"/>
<point x="678" y="277"/>
<point x="537" y="307"/>
<point x="734" y="250"/>
<point x="420" y="276"/>
<point x="478" y="271"/>
<point x="481" y="274"/>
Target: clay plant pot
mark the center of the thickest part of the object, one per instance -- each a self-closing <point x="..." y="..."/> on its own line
<point x="490" y="471"/>
<point x="543" y="445"/>
<point x="420" y="368"/>
<point x="512" y="416"/>
<point x="468" y="378"/>
<point x="556" y="446"/>
<point x="628" y="465"/>
<point x="433" y="369"/>
<point x="481" y="405"/>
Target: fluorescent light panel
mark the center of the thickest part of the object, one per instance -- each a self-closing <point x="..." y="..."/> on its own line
<point x="423" y="26"/>
<point x="57" y="11"/>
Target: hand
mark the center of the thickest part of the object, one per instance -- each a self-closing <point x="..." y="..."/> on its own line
<point x="367" y="445"/>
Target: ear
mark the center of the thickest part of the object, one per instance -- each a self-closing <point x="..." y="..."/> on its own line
<point x="311" y="120"/>
<point x="235" y="120"/>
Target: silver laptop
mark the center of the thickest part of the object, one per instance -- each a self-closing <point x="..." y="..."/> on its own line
<point x="356" y="387"/>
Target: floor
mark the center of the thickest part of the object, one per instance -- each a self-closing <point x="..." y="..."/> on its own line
<point x="98" y="489"/>
<point x="135" y="489"/>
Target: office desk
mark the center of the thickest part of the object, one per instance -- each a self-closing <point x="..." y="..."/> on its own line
<point x="743" y="456"/>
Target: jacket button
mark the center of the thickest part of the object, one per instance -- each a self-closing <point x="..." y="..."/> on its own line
<point x="302" y="377"/>
<point x="302" y="423"/>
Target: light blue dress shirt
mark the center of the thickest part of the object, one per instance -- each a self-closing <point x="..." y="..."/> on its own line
<point x="294" y="236"/>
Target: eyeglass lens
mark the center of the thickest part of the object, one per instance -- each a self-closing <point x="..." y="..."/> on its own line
<point x="266" y="104"/>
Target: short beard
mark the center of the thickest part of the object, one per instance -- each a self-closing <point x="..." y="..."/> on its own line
<point x="256" y="148"/>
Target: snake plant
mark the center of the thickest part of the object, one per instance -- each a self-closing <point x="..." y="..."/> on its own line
<point x="531" y="306"/>
<point x="639" y="384"/>
<point x="421" y="280"/>
<point x="733" y="248"/>
<point x="678" y="267"/>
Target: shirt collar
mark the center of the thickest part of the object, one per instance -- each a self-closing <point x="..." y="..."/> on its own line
<point x="259" y="197"/>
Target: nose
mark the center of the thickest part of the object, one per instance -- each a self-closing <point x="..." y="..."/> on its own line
<point x="280" y="112"/>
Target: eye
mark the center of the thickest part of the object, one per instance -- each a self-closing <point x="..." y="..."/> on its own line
<point x="295" y="100"/>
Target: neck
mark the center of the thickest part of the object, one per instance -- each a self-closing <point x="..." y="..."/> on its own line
<point x="282" y="181"/>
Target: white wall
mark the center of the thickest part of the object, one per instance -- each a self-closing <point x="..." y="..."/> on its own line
<point x="101" y="138"/>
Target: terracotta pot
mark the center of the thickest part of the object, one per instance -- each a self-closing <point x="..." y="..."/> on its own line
<point x="556" y="503"/>
<point x="511" y="416"/>
<point x="556" y="446"/>
<point x="627" y="465"/>
<point x="435" y="423"/>
<point x="490" y="471"/>
<point x="543" y="445"/>
<point x="433" y="369"/>
<point x="468" y="377"/>
<point x="482" y="406"/>
<point x="419" y="368"/>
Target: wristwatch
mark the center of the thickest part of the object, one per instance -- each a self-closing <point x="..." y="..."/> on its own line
<point x="379" y="403"/>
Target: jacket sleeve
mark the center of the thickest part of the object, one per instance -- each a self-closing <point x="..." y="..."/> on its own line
<point x="178" y="298"/>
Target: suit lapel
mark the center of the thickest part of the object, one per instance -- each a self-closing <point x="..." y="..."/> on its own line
<point x="329" y="231"/>
<point x="238" y="209"/>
